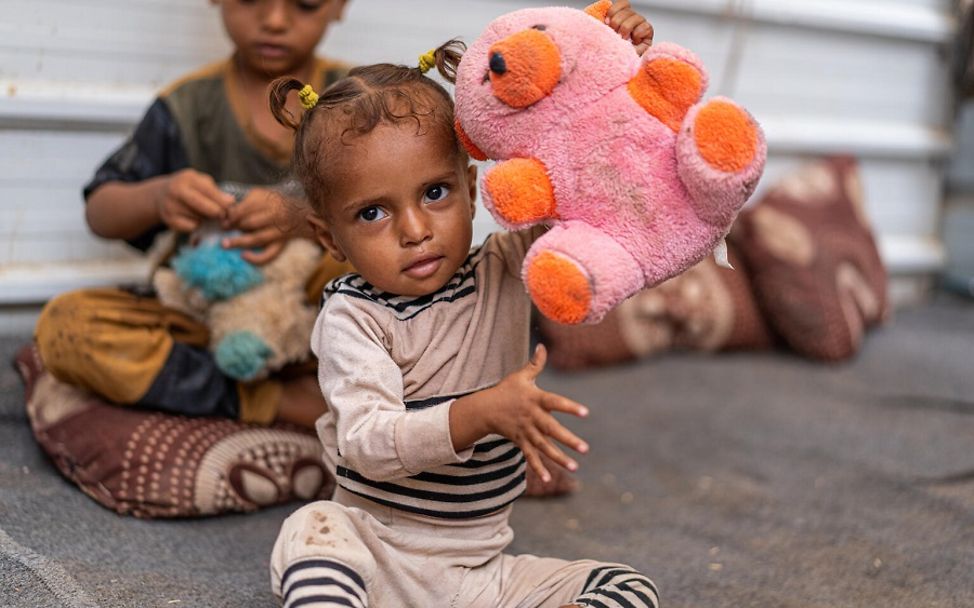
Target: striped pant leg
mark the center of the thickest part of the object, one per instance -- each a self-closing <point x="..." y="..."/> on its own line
<point x="617" y="586"/>
<point x="320" y="559"/>
<point x="539" y="582"/>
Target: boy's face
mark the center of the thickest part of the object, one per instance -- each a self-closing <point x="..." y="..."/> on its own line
<point x="276" y="37"/>
<point x="402" y="212"/>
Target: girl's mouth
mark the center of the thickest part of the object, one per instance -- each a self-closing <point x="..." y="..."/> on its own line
<point x="424" y="268"/>
<point x="272" y="51"/>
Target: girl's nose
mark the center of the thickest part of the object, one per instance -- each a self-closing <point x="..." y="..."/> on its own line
<point x="414" y="227"/>
<point x="275" y="15"/>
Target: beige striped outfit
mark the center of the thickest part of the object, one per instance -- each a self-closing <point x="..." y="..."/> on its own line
<point x="413" y="522"/>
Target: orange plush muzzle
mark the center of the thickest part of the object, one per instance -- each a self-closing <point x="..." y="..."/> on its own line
<point x="524" y="68"/>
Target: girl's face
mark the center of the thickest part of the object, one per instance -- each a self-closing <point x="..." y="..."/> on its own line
<point x="277" y="37"/>
<point x="402" y="212"/>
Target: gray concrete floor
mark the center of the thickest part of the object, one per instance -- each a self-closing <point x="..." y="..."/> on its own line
<point x="735" y="480"/>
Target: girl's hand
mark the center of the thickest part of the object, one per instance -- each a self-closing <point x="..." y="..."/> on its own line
<point x="188" y="198"/>
<point x="630" y="25"/>
<point x="521" y="411"/>
<point x="265" y="217"/>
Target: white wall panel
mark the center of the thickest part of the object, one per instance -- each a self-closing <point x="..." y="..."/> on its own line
<point x="866" y="77"/>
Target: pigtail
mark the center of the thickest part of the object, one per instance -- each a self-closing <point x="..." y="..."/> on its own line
<point x="447" y="57"/>
<point x="280" y="89"/>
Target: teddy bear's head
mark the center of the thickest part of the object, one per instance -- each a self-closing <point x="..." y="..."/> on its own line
<point x="531" y="67"/>
<point x="634" y="174"/>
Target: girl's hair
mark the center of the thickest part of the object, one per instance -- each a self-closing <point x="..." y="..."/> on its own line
<point x="357" y="104"/>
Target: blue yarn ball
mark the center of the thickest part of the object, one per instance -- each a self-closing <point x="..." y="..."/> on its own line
<point x="218" y="273"/>
<point x="242" y="355"/>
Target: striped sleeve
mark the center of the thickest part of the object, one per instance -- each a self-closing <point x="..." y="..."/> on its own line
<point x="363" y="387"/>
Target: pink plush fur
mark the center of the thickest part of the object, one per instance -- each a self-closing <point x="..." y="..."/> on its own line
<point x="636" y="202"/>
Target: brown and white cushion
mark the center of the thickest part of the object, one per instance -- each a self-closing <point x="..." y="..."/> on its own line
<point x="150" y="464"/>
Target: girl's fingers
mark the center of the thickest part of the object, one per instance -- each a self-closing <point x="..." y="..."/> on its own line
<point x="201" y="204"/>
<point x="252" y="240"/>
<point x="643" y="33"/>
<point x="538" y="361"/>
<point x="208" y="188"/>
<point x="534" y="461"/>
<point x="562" y="435"/>
<point x="617" y="6"/>
<point x="265" y="255"/>
<point x="262" y="218"/>
<point x="182" y="223"/>
<point x="238" y="212"/>
<point x="629" y="25"/>
<point x="556" y="403"/>
<point x="551" y="451"/>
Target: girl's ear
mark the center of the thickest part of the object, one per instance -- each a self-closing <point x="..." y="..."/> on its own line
<point x="325" y="237"/>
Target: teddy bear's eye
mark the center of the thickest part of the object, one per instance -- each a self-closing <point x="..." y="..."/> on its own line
<point x="539" y="27"/>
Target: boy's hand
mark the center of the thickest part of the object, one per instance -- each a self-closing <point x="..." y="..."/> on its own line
<point x="630" y="25"/>
<point x="521" y="412"/>
<point x="188" y="198"/>
<point x="266" y="219"/>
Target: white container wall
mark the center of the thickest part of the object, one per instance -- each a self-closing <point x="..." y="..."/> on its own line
<point x="867" y="77"/>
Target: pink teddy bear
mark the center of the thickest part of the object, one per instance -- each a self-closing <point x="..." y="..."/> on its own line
<point x="639" y="180"/>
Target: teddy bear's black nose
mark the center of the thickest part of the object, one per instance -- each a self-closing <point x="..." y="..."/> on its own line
<point x="497" y="63"/>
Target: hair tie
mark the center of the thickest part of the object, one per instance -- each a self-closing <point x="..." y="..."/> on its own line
<point x="427" y="61"/>
<point x="308" y="97"/>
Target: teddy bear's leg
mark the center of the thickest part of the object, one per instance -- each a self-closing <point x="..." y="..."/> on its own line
<point x="576" y="273"/>
<point x="242" y="355"/>
<point x="518" y="193"/>
<point x="721" y="153"/>
<point x="669" y="81"/>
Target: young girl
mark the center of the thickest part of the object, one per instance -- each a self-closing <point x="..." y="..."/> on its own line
<point x="434" y="414"/>
<point x="211" y="126"/>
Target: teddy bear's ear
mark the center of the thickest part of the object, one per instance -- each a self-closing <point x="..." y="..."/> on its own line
<point x="599" y="9"/>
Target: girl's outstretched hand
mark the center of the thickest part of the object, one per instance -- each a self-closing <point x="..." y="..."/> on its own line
<point x="522" y="412"/>
<point x="630" y="25"/>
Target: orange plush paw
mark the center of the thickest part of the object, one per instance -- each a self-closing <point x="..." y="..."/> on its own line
<point x="726" y="136"/>
<point x="559" y="287"/>
<point x="520" y="191"/>
<point x="667" y="88"/>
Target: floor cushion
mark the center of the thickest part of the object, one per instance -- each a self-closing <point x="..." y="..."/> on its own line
<point x="150" y="464"/>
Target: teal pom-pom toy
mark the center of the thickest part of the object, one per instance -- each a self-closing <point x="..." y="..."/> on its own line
<point x="242" y="355"/>
<point x="218" y="273"/>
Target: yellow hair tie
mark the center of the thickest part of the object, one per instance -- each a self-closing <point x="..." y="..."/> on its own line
<point x="308" y="97"/>
<point x="427" y="61"/>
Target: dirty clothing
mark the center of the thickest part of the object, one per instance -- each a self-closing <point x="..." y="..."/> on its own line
<point x="202" y="122"/>
<point x="127" y="346"/>
<point x="353" y="552"/>
<point x="132" y="350"/>
<point x="413" y="521"/>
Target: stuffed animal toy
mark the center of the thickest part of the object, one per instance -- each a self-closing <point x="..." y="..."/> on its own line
<point x="637" y="178"/>
<point x="258" y="316"/>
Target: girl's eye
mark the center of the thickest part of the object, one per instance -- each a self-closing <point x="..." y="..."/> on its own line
<point x="371" y="214"/>
<point x="310" y="5"/>
<point x="437" y="192"/>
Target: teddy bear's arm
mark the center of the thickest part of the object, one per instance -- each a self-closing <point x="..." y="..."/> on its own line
<point x="670" y="80"/>
<point x="519" y="194"/>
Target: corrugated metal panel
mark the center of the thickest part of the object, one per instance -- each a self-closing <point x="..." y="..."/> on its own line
<point x="861" y="76"/>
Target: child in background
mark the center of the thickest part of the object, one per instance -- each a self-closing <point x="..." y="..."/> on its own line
<point x="434" y="415"/>
<point x="210" y="127"/>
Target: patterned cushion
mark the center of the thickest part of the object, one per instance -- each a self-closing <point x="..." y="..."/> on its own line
<point x="150" y="464"/>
